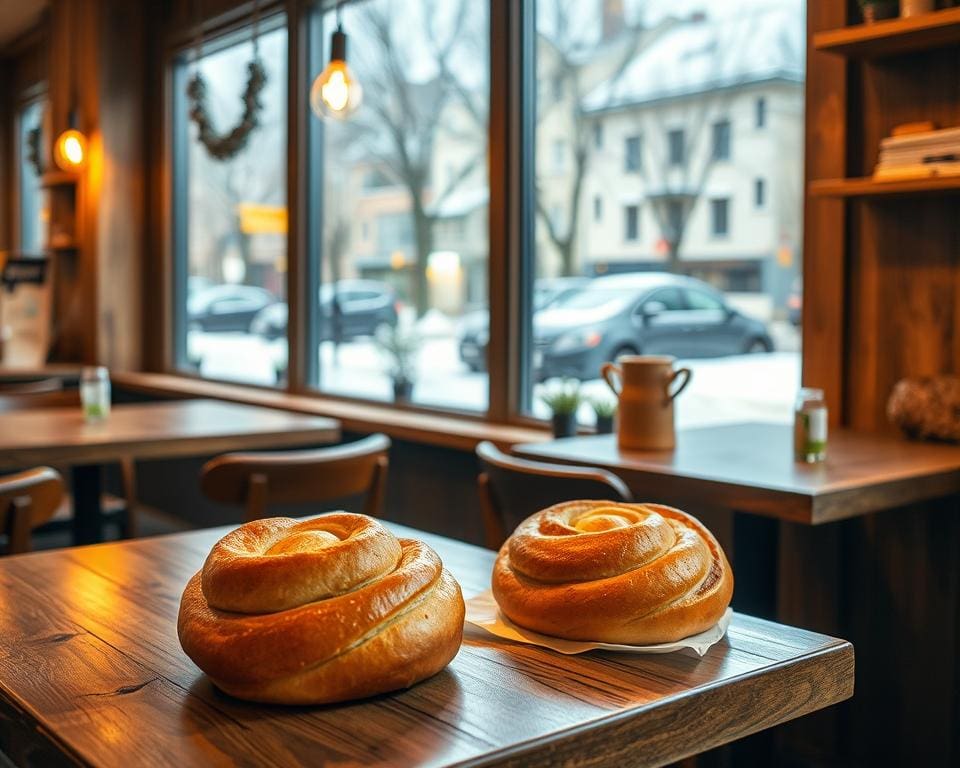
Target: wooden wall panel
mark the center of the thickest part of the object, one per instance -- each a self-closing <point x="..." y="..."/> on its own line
<point x="121" y="200"/>
<point x="824" y="272"/>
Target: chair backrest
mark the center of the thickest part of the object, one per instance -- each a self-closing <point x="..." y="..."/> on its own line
<point x="256" y="480"/>
<point x="512" y="489"/>
<point x="12" y="400"/>
<point x="27" y="500"/>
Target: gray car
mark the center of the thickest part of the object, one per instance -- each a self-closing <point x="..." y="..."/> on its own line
<point x="640" y="313"/>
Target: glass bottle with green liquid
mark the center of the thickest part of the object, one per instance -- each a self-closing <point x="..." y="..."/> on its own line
<point x="810" y="426"/>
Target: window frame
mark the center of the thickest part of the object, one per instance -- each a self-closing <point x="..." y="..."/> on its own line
<point x="511" y="220"/>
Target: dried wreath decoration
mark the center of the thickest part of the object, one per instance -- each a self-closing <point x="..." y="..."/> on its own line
<point x="33" y="150"/>
<point x="226" y="146"/>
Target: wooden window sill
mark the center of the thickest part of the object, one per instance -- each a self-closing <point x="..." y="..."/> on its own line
<point x="439" y="429"/>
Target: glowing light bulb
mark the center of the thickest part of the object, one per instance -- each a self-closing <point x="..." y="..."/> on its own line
<point x="335" y="93"/>
<point x="70" y="151"/>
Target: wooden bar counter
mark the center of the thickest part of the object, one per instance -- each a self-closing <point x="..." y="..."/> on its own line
<point x="91" y="672"/>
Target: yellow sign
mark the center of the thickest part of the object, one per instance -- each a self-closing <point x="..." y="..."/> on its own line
<point x="258" y="219"/>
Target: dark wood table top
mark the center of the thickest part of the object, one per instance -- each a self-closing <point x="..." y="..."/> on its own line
<point x="750" y="468"/>
<point x="153" y="430"/>
<point x="91" y="671"/>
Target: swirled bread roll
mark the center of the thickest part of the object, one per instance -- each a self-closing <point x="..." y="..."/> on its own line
<point x="618" y="573"/>
<point x="320" y="610"/>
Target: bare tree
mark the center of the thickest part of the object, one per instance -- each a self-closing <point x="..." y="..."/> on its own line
<point x="403" y="114"/>
<point x="575" y="67"/>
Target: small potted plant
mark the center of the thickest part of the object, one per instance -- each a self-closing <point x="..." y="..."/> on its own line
<point x="563" y="402"/>
<point x="875" y="10"/>
<point x="604" y="408"/>
<point x="400" y="347"/>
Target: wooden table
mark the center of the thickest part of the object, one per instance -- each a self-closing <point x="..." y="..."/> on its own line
<point x="60" y="436"/>
<point x="91" y="671"/>
<point x="750" y="468"/>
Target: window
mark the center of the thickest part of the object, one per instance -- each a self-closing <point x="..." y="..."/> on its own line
<point x="230" y="218"/>
<point x="761" y="112"/>
<point x="419" y="331"/>
<point x="700" y="300"/>
<point x="632" y="156"/>
<point x="676" y="146"/>
<point x="29" y="147"/>
<point x="719" y="217"/>
<point x="631" y="220"/>
<point x="669" y="299"/>
<point x="721" y="140"/>
<point x="392" y="250"/>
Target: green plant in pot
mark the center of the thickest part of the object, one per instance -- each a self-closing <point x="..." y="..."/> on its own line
<point x="875" y="10"/>
<point x="605" y="408"/>
<point x="400" y="347"/>
<point x="563" y="402"/>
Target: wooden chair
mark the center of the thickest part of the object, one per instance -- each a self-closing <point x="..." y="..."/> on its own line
<point x="125" y="509"/>
<point x="257" y="480"/>
<point x="27" y="501"/>
<point x="512" y="489"/>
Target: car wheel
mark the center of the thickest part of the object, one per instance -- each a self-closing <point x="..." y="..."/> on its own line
<point x="757" y="347"/>
<point x="626" y="349"/>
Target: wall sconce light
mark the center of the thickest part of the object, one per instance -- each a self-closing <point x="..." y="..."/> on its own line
<point x="70" y="149"/>
<point x="335" y="93"/>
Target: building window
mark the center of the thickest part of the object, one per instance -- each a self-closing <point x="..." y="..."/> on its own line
<point x="632" y="157"/>
<point x="32" y="214"/>
<point x="720" y="217"/>
<point x="597" y="208"/>
<point x="761" y="112"/>
<point x="676" y="144"/>
<point x="759" y="193"/>
<point x="631" y="223"/>
<point x="407" y="309"/>
<point x="230" y="220"/>
<point x="598" y="135"/>
<point x="721" y="140"/>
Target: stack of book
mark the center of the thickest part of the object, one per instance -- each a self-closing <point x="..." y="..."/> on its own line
<point x="919" y="155"/>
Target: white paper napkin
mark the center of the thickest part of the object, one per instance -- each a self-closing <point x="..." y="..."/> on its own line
<point x="483" y="612"/>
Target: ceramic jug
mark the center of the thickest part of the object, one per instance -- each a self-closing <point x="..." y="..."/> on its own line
<point x="646" y="386"/>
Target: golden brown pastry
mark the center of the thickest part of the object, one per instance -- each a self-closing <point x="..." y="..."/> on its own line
<point x="320" y="610"/>
<point x="617" y="573"/>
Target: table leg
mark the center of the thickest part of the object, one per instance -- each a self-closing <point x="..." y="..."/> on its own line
<point x="87" y="515"/>
<point x="755" y="545"/>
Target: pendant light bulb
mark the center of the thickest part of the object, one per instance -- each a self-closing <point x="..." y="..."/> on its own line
<point x="335" y="93"/>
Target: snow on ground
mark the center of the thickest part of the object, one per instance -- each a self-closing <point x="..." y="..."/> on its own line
<point x="722" y="390"/>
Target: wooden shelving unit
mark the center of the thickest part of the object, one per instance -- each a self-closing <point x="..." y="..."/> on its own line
<point x="867" y="187"/>
<point x="57" y="179"/>
<point x="892" y="37"/>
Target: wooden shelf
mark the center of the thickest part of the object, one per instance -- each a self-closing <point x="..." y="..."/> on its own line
<point x="893" y="36"/>
<point x="65" y="246"/>
<point x="867" y="187"/>
<point x="57" y="179"/>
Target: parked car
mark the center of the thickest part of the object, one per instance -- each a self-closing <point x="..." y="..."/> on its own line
<point x="354" y="307"/>
<point x="648" y="313"/>
<point x="475" y="328"/>
<point x="226" y="307"/>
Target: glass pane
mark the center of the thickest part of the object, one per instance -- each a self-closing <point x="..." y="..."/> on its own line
<point x="32" y="208"/>
<point x="234" y="247"/>
<point x="402" y="255"/>
<point x="700" y="108"/>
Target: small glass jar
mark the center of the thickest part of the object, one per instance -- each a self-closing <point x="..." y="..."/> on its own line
<point x="95" y="393"/>
<point x="810" y="426"/>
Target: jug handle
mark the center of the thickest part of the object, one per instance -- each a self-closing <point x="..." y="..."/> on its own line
<point x="609" y="371"/>
<point x="685" y="374"/>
